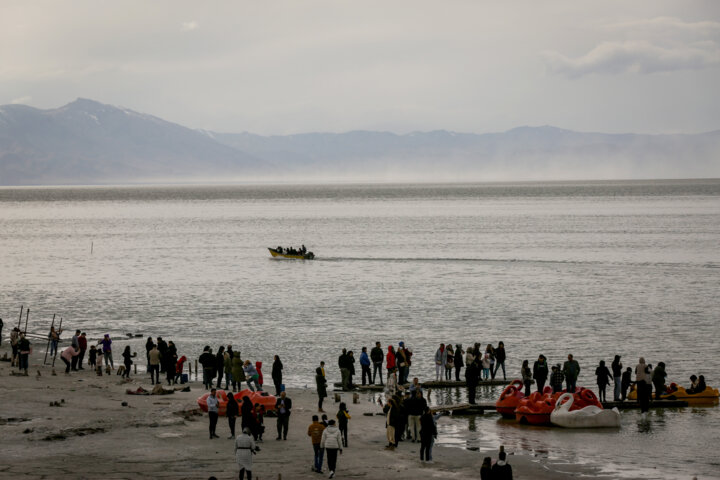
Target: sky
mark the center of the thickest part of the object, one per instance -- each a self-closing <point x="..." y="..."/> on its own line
<point x="278" y="67"/>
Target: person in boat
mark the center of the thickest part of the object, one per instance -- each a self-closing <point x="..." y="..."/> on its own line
<point x="303" y="250"/>
<point x="693" y="383"/>
<point x="700" y="385"/>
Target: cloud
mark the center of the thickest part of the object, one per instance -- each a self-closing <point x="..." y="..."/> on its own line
<point x="189" y="26"/>
<point x="661" y="44"/>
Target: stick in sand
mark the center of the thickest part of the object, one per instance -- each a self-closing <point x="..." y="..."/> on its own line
<point x="20" y="319"/>
<point x="47" y="349"/>
<point x="58" y="347"/>
<point x="27" y="317"/>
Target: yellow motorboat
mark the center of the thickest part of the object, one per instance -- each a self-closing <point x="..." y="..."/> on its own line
<point x="277" y="253"/>
<point x="709" y="396"/>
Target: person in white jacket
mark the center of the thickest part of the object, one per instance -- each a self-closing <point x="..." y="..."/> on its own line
<point x="332" y="442"/>
<point x="244" y="449"/>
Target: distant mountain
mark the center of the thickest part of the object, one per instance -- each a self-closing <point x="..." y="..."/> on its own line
<point x="86" y="142"/>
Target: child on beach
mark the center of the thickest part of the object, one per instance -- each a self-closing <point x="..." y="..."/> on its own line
<point x="91" y="357"/>
<point x="486" y="366"/>
<point x="98" y="361"/>
<point x="259" y="412"/>
<point x="343" y="415"/>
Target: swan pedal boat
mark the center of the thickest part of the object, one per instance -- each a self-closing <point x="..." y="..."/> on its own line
<point x="263" y="398"/>
<point x="275" y="253"/>
<point x="588" y="417"/>
<point x="709" y="396"/>
<point x="536" y="409"/>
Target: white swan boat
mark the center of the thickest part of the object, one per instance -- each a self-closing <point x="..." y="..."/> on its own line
<point x="588" y="417"/>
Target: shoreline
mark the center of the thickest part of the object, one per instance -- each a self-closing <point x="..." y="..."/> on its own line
<point x="77" y="425"/>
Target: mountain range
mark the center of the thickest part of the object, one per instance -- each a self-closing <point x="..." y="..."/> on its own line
<point x="87" y="142"/>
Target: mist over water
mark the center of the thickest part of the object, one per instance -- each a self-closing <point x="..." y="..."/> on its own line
<point x="589" y="268"/>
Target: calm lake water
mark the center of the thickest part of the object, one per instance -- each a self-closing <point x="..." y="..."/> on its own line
<point x="594" y="269"/>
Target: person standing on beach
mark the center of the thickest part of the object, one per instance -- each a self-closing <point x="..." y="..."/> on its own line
<point x="245" y="448"/>
<point x="414" y="410"/>
<point x="571" y="369"/>
<point x="14" y="340"/>
<point x="331" y="442"/>
<point x="502" y="470"/>
<point x="170" y="361"/>
<point x="283" y="407"/>
<point x="154" y="359"/>
<point x="472" y="375"/>
<point x="107" y="351"/>
<point x="603" y="380"/>
<point x="227" y="366"/>
<point x="315" y="431"/>
<point x="428" y="433"/>
<point x="232" y="411"/>
<point x="82" y="341"/>
<point x="148" y="346"/>
<point x="75" y="342"/>
<point x="390" y="363"/>
<point x="207" y="360"/>
<point x="351" y="366"/>
<point x="365" y="366"/>
<point x="220" y="365"/>
<point x="500" y="359"/>
<point x="238" y="374"/>
<point x="24" y="350"/>
<point x="212" y="406"/>
<point x="540" y="372"/>
<point x="344" y="370"/>
<point x="616" y="367"/>
<point x="377" y="356"/>
<point x="67" y="356"/>
<point x="402" y="363"/>
<point x="642" y="377"/>
<point x="277" y="375"/>
<point x="54" y="337"/>
<point x="321" y="387"/>
<point x="247" y="417"/>
<point x="127" y="360"/>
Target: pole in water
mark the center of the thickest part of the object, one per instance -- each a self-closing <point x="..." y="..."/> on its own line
<point x="56" y="350"/>
<point x="47" y="349"/>
<point x="20" y="319"/>
<point x="27" y="317"/>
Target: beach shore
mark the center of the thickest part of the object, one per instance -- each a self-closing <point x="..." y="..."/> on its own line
<point x="76" y="424"/>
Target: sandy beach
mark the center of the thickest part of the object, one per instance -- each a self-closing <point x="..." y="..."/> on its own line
<point x="76" y="425"/>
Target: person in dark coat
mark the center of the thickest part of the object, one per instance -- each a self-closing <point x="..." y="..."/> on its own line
<point x="277" y="369"/>
<point x="283" y="407"/>
<point x="428" y="432"/>
<point x="486" y="469"/>
<point x="626" y="382"/>
<point x="232" y="410"/>
<point x="540" y="372"/>
<point x="321" y="387"/>
<point x="472" y="375"/>
<point x="247" y="417"/>
<point x="220" y="365"/>
<point x="658" y="380"/>
<point x="500" y="359"/>
<point x="459" y="362"/>
<point x="603" y="380"/>
<point x="502" y="470"/>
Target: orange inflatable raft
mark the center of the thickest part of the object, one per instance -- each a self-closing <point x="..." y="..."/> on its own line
<point x="263" y="398"/>
<point x="536" y="409"/>
<point x="510" y="399"/>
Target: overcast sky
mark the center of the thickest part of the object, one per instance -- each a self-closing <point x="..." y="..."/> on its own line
<point x="282" y="66"/>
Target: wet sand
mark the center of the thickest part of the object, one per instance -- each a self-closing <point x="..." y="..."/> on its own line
<point x="90" y="434"/>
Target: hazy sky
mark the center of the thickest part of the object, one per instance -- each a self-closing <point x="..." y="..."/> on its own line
<point x="281" y="66"/>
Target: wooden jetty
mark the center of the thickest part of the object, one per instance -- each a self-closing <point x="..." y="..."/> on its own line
<point x="480" y="408"/>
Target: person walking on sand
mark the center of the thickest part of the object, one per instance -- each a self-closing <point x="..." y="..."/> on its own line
<point x="315" y="431"/>
<point x="571" y="369"/>
<point x="247" y="417"/>
<point x="365" y="366"/>
<point x="617" y="367"/>
<point x="377" y="356"/>
<point x="127" y="361"/>
<point x="502" y="470"/>
<point x="75" y="342"/>
<point x="283" y="407"/>
<point x="603" y="380"/>
<point x="245" y="448"/>
<point x="540" y="372"/>
<point x="67" y="355"/>
<point x="277" y="375"/>
<point x="428" y="433"/>
<point x="212" y="406"/>
<point x="232" y="411"/>
<point x="154" y="358"/>
<point x="331" y="442"/>
<point x="321" y="387"/>
<point x="343" y="415"/>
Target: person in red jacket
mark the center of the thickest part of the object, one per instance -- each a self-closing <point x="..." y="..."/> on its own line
<point x="258" y="367"/>
<point x="390" y="360"/>
<point x="82" y="342"/>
